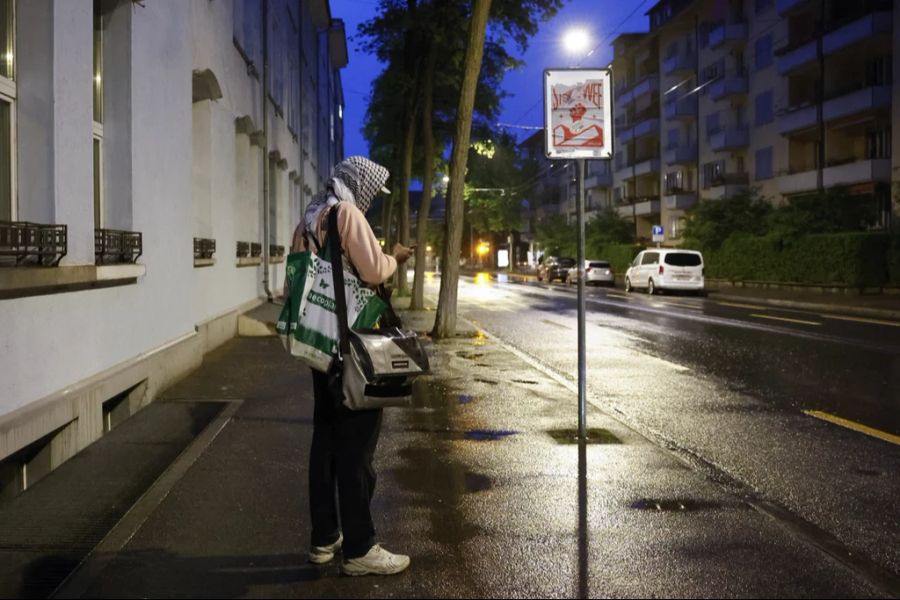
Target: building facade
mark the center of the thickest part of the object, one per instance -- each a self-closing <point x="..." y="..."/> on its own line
<point x="790" y="97"/>
<point x="154" y="159"/>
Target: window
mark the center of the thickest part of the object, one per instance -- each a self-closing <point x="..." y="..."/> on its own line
<point x="675" y="182"/>
<point x="764" y="112"/>
<point x="674" y="138"/>
<point x="764" y="51"/>
<point x="650" y="258"/>
<point x="712" y="124"/>
<point x="878" y="143"/>
<point x="879" y="71"/>
<point x="97" y="148"/>
<point x="763" y="5"/>
<point x="675" y="226"/>
<point x="764" y="163"/>
<point x="705" y="28"/>
<point x="7" y="110"/>
<point x="247" y="33"/>
<point x="713" y="172"/>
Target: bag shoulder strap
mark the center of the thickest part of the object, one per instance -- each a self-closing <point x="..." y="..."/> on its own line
<point x="337" y="274"/>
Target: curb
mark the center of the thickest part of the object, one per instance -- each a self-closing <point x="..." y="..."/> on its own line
<point x="847" y="309"/>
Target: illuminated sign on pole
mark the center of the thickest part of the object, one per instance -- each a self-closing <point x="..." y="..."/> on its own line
<point x="578" y="113"/>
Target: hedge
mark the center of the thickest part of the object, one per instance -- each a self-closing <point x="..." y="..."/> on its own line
<point x="618" y="255"/>
<point x="842" y="259"/>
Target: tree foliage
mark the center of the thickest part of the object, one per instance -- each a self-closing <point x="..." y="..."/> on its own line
<point x="711" y="222"/>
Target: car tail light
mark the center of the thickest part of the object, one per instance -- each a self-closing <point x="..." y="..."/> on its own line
<point x="661" y="269"/>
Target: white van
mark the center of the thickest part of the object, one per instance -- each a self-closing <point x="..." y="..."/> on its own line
<point x="660" y="269"/>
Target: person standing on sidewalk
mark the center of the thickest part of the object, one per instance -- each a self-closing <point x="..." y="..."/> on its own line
<point x="344" y="440"/>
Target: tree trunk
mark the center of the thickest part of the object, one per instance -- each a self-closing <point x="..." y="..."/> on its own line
<point x="445" y="319"/>
<point x="409" y="140"/>
<point x="418" y="297"/>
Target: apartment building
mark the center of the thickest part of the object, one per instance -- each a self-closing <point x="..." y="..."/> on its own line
<point x="788" y="96"/>
<point x="136" y="142"/>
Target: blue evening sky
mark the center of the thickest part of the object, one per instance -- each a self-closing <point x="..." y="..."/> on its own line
<point x="604" y="20"/>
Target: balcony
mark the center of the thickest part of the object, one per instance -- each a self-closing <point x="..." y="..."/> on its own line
<point x="730" y="139"/>
<point x="23" y="243"/>
<point x="797" y="119"/>
<point x="680" y="63"/>
<point x="649" y="126"/>
<point x="860" y="30"/>
<point x="680" y="155"/>
<point x="726" y="87"/>
<point x="792" y="58"/>
<point x="646" y="207"/>
<point x="857" y="102"/>
<point x="646" y="167"/>
<point x="863" y="171"/>
<point x="797" y="183"/>
<point x="727" y="185"/>
<point x="683" y="108"/>
<point x="598" y="180"/>
<point x="786" y="7"/>
<point x="647" y="85"/>
<point x="732" y="34"/>
<point x="113" y="246"/>
<point x="679" y="200"/>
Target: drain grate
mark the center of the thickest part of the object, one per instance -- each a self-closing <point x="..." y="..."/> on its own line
<point x="595" y="435"/>
<point x="488" y="435"/>
<point x="672" y="505"/>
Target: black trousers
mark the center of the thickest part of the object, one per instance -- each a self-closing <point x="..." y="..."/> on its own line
<point x="343" y="447"/>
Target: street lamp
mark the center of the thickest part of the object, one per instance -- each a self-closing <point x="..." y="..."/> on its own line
<point x="576" y="41"/>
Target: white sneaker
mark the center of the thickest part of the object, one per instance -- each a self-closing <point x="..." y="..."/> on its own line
<point x="377" y="561"/>
<point x="320" y="555"/>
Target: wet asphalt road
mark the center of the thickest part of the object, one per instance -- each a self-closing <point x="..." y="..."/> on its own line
<point x="725" y="386"/>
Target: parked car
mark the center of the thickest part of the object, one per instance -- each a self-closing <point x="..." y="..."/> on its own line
<point x="661" y="269"/>
<point x="555" y="267"/>
<point x="595" y="271"/>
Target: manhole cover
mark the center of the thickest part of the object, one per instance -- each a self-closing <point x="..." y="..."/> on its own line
<point x="595" y="435"/>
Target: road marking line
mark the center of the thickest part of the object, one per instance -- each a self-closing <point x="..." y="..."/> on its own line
<point x="862" y="320"/>
<point x="737" y="305"/>
<point x="785" y="319"/>
<point x="871" y="431"/>
<point x="691" y="306"/>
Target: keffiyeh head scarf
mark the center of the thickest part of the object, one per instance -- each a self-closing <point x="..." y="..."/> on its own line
<point x="355" y="179"/>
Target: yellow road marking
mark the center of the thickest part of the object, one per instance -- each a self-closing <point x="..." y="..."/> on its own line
<point x="862" y="320"/>
<point x="737" y="305"/>
<point x="876" y="433"/>
<point x="785" y="319"/>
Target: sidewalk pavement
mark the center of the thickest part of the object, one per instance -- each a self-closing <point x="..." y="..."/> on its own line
<point x="478" y="481"/>
<point x="884" y="306"/>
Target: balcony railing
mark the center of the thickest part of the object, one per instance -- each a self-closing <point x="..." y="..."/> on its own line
<point x="680" y="154"/>
<point x="787" y="6"/>
<point x="204" y="248"/>
<point x="795" y="56"/>
<point x="860" y="30"/>
<point x="114" y="246"/>
<point x="799" y="118"/>
<point x="730" y="139"/>
<point x="856" y="101"/>
<point x="679" y="63"/>
<point x="24" y="243"/>
<point x="682" y="108"/>
<point x="243" y="249"/>
<point x="733" y="85"/>
<point x="732" y="33"/>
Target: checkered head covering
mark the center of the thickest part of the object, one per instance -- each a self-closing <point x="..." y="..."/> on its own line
<point x="360" y="176"/>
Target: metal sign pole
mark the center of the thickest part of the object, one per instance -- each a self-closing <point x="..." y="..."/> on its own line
<point x="582" y="351"/>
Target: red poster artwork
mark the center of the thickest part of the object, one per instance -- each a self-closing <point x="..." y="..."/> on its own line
<point x="577" y="114"/>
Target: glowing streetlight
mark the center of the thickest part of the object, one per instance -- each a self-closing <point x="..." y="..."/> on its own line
<point x="576" y="41"/>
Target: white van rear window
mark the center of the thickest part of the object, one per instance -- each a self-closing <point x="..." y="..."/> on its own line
<point x="683" y="259"/>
